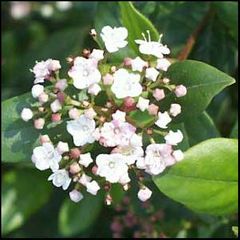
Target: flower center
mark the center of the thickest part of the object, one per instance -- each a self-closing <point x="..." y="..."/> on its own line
<point x="85" y="73"/>
<point x="85" y="128"/>
<point x="111" y="165"/>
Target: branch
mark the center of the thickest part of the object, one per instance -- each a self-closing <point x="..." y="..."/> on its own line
<point x="192" y="39"/>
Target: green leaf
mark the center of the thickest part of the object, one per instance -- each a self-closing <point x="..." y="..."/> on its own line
<point x="200" y="128"/>
<point x="234" y="133"/>
<point x="207" y="179"/>
<point x="136" y="23"/>
<point x="141" y="119"/>
<point x="24" y="192"/>
<point x="75" y="218"/>
<point x="18" y="137"/>
<point x="203" y="82"/>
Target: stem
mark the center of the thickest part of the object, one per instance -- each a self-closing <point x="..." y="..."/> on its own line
<point x="193" y="37"/>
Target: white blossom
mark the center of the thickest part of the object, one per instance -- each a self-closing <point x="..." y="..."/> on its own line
<point x="85" y="159"/>
<point x="163" y="64"/>
<point x="111" y="166"/>
<point x="90" y="113"/>
<point x="180" y="90"/>
<point x="149" y="47"/>
<point x="75" y="196"/>
<point x="45" y="157"/>
<point x="39" y="123"/>
<point x="92" y="187"/>
<point x="126" y="84"/>
<point x="124" y="179"/>
<point x="46" y="10"/>
<point x="94" y="89"/>
<point x="84" y="72"/>
<point x="163" y="119"/>
<point x="143" y="103"/>
<point x="97" y="54"/>
<point x="62" y="147"/>
<point x="26" y="114"/>
<point x="144" y="193"/>
<point x="136" y="140"/>
<point x="82" y="130"/>
<point x="173" y="138"/>
<point x="151" y="74"/>
<point x="119" y="116"/>
<point x="158" y="157"/>
<point x="138" y="64"/>
<point x="84" y="179"/>
<point x="63" y="5"/>
<point x="60" y="178"/>
<point x="74" y="113"/>
<point x="37" y="90"/>
<point x="114" y="38"/>
<point x="61" y="84"/>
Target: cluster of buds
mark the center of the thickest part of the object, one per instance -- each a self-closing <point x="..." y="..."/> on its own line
<point x="94" y="105"/>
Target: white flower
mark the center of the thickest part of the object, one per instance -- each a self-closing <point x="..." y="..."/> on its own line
<point x="92" y="187"/>
<point x="94" y="89"/>
<point x="26" y="114"/>
<point x="178" y="155"/>
<point x="85" y="159"/>
<point x="141" y="163"/>
<point x="53" y="65"/>
<point x="124" y="179"/>
<point x="138" y="64"/>
<point x="116" y="133"/>
<point x="173" y="138"/>
<point x="119" y="116"/>
<point x="144" y="193"/>
<point x="129" y="153"/>
<point x="175" y="109"/>
<point x="46" y="10"/>
<point x="74" y="113"/>
<point x="39" y="123"/>
<point x="45" y="157"/>
<point x="163" y="119"/>
<point x="62" y="147"/>
<point x="55" y="106"/>
<point x="40" y="71"/>
<point x="151" y="74"/>
<point x="60" y="178"/>
<point x="114" y="38"/>
<point x="37" y="90"/>
<point x="136" y="140"/>
<point x="126" y="84"/>
<point x="84" y="73"/>
<point x="82" y="130"/>
<point x="75" y="196"/>
<point x="143" y="104"/>
<point x="158" y="157"/>
<point x="97" y="54"/>
<point x="84" y="179"/>
<point x="149" y="47"/>
<point x="111" y="166"/>
<point x="163" y="64"/>
<point x="19" y="9"/>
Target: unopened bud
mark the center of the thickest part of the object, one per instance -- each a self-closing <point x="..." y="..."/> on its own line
<point x="108" y="199"/>
<point x="93" y="32"/>
<point x="39" y="123"/>
<point x="94" y="169"/>
<point x="56" y="117"/>
<point x="44" y="139"/>
<point x="86" y="53"/>
<point x="127" y="61"/>
<point x="113" y="69"/>
<point x="74" y="168"/>
<point x="75" y="153"/>
<point x="60" y="97"/>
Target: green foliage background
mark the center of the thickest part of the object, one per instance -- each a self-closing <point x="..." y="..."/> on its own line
<point x="66" y="33"/>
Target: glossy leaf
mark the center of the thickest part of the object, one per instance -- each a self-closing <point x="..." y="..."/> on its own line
<point x="136" y="24"/>
<point x="207" y="179"/>
<point x="23" y="193"/>
<point x="203" y="82"/>
<point x="200" y="128"/>
<point x="75" y="218"/>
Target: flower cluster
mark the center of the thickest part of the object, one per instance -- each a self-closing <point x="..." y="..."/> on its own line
<point x="100" y="143"/>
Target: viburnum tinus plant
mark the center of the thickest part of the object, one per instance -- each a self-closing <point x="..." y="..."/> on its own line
<point x="135" y="83"/>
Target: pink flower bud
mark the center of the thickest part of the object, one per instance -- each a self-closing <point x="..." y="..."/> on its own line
<point x="43" y="97"/>
<point x="60" y="97"/>
<point x="113" y="69"/>
<point x="75" y="195"/>
<point x="61" y="84"/>
<point x="44" y="139"/>
<point x="129" y="104"/>
<point x="39" y="123"/>
<point x="166" y="80"/>
<point x="74" y="168"/>
<point x="74" y="113"/>
<point x="75" y="153"/>
<point x="56" y="117"/>
<point x="180" y="90"/>
<point x="90" y="113"/>
<point x="175" y="109"/>
<point x="144" y="193"/>
<point x="158" y="94"/>
<point x="108" y="79"/>
<point x="153" y="109"/>
<point x="94" y="169"/>
<point x="127" y="62"/>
